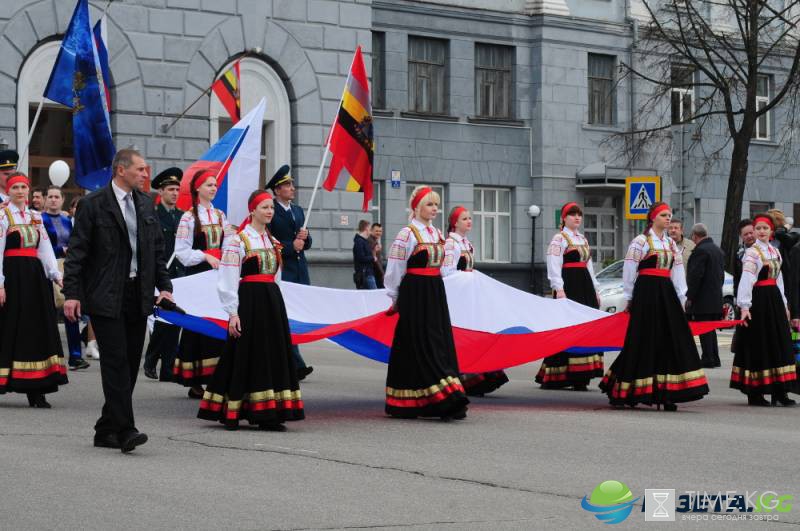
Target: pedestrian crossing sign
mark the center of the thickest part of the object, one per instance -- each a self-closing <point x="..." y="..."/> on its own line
<point x="640" y="194"/>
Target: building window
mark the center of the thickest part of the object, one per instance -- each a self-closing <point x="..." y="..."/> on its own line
<point x="494" y="66"/>
<point x="759" y="207"/>
<point x="761" y="132"/>
<point x="602" y="93"/>
<point x="376" y="203"/>
<point x="427" y="75"/>
<point x="682" y="81"/>
<point x="491" y="224"/>
<point x="378" y="70"/>
<point x="441" y="219"/>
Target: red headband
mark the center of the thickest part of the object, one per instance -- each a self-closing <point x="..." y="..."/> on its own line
<point x="756" y="219"/>
<point x="566" y="209"/>
<point x="658" y="210"/>
<point x="17" y="179"/>
<point x="418" y="198"/>
<point x="204" y="176"/>
<point x="451" y="223"/>
<point x="257" y="200"/>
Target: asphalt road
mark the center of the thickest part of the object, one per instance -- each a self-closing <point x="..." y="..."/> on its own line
<point x="523" y="459"/>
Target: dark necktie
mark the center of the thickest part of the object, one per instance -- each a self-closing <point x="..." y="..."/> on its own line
<point x="130" y="222"/>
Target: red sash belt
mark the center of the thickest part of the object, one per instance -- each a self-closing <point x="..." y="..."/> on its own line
<point x="216" y="253"/>
<point x="258" y="278"/>
<point x="767" y="282"/>
<point x="425" y="271"/>
<point x="29" y="252"/>
<point x="653" y="272"/>
<point x="574" y="265"/>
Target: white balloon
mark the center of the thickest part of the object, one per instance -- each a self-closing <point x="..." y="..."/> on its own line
<point x="59" y="173"/>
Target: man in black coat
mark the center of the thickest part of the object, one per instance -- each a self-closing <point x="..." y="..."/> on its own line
<point x="114" y="262"/>
<point x="705" y="275"/>
<point x="363" y="259"/>
<point x="164" y="339"/>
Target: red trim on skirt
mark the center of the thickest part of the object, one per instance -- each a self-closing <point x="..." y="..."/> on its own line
<point x="425" y="271"/>
<point x="574" y="265"/>
<point x="654" y="272"/>
<point x="258" y="278"/>
<point x="767" y="282"/>
<point x="28" y="252"/>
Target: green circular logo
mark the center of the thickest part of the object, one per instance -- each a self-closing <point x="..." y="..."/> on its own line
<point x="611" y="493"/>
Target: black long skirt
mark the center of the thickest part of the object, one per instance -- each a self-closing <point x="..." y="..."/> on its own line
<point x="659" y="362"/>
<point x="197" y="355"/>
<point x="422" y="380"/>
<point x="31" y="358"/>
<point x="483" y="383"/>
<point x="566" y="369"/>
<point x="256" y="379"/>
<point x="764" y="359"/>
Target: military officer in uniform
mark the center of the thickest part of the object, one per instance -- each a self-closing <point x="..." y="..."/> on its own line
<point x="8" y="165"/>
<point x="164" y="339"/>
<point x="287" y="227"/>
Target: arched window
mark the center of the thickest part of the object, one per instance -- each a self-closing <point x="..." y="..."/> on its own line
<point x="52" y="139"/>
<point x="259" y="80"/>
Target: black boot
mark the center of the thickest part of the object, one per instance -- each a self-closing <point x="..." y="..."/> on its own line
<point x="38" y="400"/>
<point x="757" y="399"/>
<point x="782" y="399"/>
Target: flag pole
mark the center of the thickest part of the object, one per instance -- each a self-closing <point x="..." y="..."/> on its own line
<point x="30" y="133"/>
<point x="327" y="142"/>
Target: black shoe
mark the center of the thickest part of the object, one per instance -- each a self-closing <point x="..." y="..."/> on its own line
<point x="303" y="372"/>
<point x="194" y="393"/>
<point x="271" y="426"/>
<point x="130" y="441"/>
<point x="150" y="373"/>
<point x="77" y="364"/>
<point x="231" y="424"/>
<point x="669" y="406"/>
<point x="580" y="387"/>
<point x="38" y="400"/>
<point x="757" y="399"/>
<point x="708" y="365"/>
<point x="782" y="399"/>
<point x="108" y="440"/>
<point x="460" y="415"/>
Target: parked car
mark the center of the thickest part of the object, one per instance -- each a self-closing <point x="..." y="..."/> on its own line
<point x="612" y="300"/>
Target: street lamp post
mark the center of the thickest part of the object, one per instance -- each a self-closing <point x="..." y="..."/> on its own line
<point x="533" y="212"/>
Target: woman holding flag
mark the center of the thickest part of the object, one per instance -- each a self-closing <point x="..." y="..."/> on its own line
<point x="659" y="363"/>
<point x="198" y="246"/>
<point x="571" y="274"/>
<point x="459" y="255"/>
<point x="255" y="379"/>
<point x="422" y="379"/>
<point x="31" y="358"/>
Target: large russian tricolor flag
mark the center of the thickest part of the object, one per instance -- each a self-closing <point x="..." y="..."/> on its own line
<point x="235" y="158"/>
<point x="495" y="326"/>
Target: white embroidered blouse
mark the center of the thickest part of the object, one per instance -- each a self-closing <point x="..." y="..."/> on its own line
<point x="44" y="250"/>
<point x="555" y="257"/>
<point x="454" y="247"/>
<point x="184" y="236"/>
<point x="401" y="250"/>
<point x="752" y="263"/>
<point x="639" y="249"/>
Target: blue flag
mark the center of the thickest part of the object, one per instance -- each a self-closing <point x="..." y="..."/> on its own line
<point x="74" y="83"/>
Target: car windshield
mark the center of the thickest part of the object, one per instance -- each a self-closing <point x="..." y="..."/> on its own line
<point x="612" y="271"/>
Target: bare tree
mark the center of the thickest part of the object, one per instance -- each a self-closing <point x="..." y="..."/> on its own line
<point x="702" y="62"/>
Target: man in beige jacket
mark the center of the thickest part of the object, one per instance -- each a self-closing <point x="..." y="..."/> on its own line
<point x="685" y="245"/>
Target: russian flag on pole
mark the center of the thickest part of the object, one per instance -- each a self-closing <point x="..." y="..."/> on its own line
<point x="236" y="159"/>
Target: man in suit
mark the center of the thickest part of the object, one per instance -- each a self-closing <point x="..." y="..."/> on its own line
<point x="705" y="274"/>
<point x="287" y="227"/>
<point x="114" y="262"/>
<point x="164" y="340"/>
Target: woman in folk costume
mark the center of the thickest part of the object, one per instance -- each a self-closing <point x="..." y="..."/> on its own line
<point x="198" y="246"/>
<point x="255" y="379"/>
<point x="571" y="274"/>
<point x="31" y="358"/>
<point x="764" y="358"/>
<point x="658" y="363"/>
<point x="459" y="255"/>
<point x="422" y="380"/>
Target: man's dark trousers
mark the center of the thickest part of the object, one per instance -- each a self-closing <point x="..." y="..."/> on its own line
<point x="120" y="340"/>
<point x="708" y="342"/>
<point x="163" y="345"/>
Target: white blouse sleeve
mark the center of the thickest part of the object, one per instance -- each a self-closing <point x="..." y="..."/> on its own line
<point x="630" y="270"/>
<point x="751" y="265"/>
<point x="229" y="274"/>
<point x="452" y="254"/>
<point x="781" y="287"/>
<point x="678" y="274"/>
<point x="46" y="255"/>
<point x="184" y="237"/>
<point x="396" y="265"/>
<point x="590" y="267"/>
<point x="555" y="260"/>
<point x="3" y="235"/>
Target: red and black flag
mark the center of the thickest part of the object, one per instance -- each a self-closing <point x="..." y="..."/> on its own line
<point x="227" y="90"/>
<point x="351" y="140"/>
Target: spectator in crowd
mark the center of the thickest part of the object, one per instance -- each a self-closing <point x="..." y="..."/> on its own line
<point x="784" y="241"/>
<point x="8" y="165"/>
<point x="73" y="205"/>
<point x="363" y="259"/>
<point x="375" y="247"/>
<point x="676" y="233"/>
<point x="704" y="278"/>
<point x="747" y="235"/>
<point x="59" y="229"/>
<point x="37" y="199"/>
